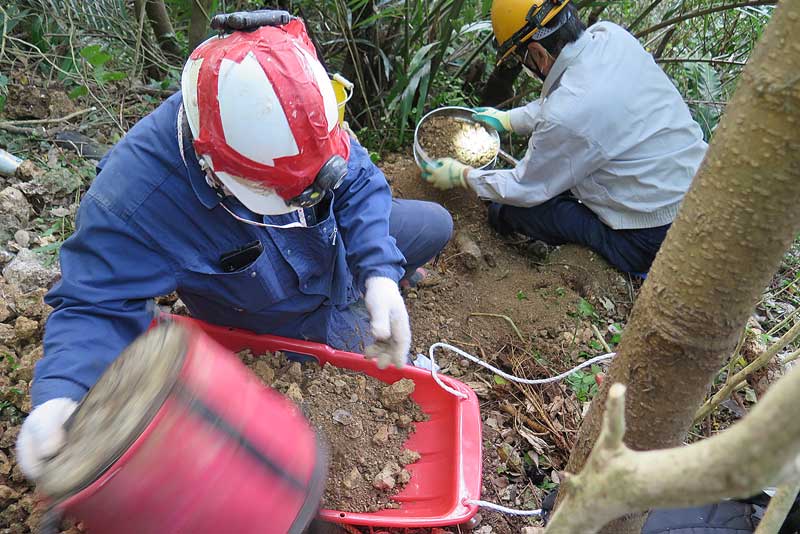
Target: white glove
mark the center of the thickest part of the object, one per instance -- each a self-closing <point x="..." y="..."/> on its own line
<point x="42" y="435"/>
<point x="389" y="321"/>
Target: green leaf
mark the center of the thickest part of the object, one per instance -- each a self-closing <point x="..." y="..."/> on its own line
<point x="36" y="32"/>
<point x="66" y="65"/>
<point x="52" y="247"/>
<point x="499" y="380"/>
<point x="89" y="52"/>
<point x="521" y="295"/>
<point x="585" y="309"/>
<point x="79" y="91"/>
<point x="95" y="55"/>
<point x="112" y="76"/>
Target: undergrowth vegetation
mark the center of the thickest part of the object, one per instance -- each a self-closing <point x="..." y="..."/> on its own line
<point x="405" y="57"/>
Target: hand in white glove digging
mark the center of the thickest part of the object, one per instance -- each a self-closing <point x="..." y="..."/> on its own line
<point x="42" y="435"/>
<point x="389" y="321"/>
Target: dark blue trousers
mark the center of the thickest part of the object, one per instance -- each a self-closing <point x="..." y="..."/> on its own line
<point x="565" y="220"/>
<point x="421" y="230"/>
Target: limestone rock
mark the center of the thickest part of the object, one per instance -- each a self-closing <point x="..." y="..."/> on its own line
<point x="15" y="211"/>
<point x="294" y="394"/>
<point x="9" y="437"/>
<point x="31" y="304"/>
<point x="6" y="334"/>
<point x="7" y="495"/>
<point x="386" y="479"/>
<point x="381" y="437"/>
<point x="22" y="238"/>
<point x="403" y="477"/>
<point x="343" y="417"/>
<point x="353" y="478"/>
<point x="397" y="392"/>
<point x="26" y="363"/>
<point x="408" y="457"/>
<point x="24" y="328"/>
<point x="5" y="464"/>
<point x="28" y="272"/>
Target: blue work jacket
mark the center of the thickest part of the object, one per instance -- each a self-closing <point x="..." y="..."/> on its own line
<point x="150" y="225"/>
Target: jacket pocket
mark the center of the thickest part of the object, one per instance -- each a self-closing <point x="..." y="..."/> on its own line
<point x="262" y="283"/>
<point x="317" y="258"/>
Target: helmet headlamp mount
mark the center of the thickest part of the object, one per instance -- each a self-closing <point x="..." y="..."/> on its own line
<point x="329" y="177"/>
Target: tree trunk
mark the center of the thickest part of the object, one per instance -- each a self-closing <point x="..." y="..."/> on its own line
<point x="500" y="85"/>
<point x="736" y="221"/>
<point x="162" y="27"/>
<point x="199" y="22"/>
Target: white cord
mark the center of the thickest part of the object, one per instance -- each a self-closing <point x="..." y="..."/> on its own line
<point x="498" y="508"/>
<point x="505" y="375"/>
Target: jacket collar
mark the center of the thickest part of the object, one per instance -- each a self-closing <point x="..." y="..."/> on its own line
<point x="567" y="56"/>
<point x="207" y="196"/>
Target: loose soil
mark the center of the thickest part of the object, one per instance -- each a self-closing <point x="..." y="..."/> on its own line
<point x="363" y="421"/>
<point x="527" y="431"/>
<point x="448" y="137"/>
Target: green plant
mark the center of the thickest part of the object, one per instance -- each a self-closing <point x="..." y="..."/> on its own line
<point x="60" y="228"/>
<point x="616" y="335"/>
<point x="521" y="295"/>
<point x="583" y="383"/>
<point x="547" y="484"/>
<point x="96" y="58"/>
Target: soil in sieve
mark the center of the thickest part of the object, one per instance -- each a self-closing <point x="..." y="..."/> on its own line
<point x="364" y="422"/>
<point x="447" y="137"/>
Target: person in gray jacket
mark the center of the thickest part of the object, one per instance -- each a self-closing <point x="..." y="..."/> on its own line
<point x="613" y="147"/>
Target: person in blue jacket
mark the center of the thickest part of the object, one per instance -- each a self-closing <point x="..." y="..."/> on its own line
<point x="242" y="193"/>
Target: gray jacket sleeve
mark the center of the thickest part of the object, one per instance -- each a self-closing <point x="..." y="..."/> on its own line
<point x="524" y="117"/>
<point x="556" y="160"/>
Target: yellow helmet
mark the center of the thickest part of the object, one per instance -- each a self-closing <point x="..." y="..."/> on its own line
<point x="515" y="22"/>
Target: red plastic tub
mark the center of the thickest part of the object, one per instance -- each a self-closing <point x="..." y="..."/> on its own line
<point x="200" y="452"/>
<point x="449" y="471"/>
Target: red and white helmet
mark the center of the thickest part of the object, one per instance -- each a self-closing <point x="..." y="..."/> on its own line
<point x="264" y="117"/>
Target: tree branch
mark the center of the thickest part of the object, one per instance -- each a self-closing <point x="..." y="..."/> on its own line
<point x="50" y="121"/>
<point x="643" y="14"/>
<point x="778" y="509"/>
<point x="736" y="463"/>
<point x="701" y="12"/>
<point x="731" y="383"/>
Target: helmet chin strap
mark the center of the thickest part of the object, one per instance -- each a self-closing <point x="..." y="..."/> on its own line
<point x="221" y="191"/>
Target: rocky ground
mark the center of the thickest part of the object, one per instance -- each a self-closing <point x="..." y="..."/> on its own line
<point x="529" y="314"/>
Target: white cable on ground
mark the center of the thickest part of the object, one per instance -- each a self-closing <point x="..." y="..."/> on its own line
<point x="505" y="375"/>
<point x="435" y="376"/>
<point x="498" y="508"/>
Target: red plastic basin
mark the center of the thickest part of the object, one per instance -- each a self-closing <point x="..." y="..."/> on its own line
<point x="449" y="470"/>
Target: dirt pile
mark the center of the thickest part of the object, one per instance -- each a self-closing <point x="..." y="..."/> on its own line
<point x="363" y="421"/>
<point x="448" y="137"/>
<point x="22" y="316"/>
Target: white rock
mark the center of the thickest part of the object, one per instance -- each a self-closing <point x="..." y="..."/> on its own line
<point x="14" y="212"/>
<point x="22" y="238"/>
<point x="28" y="272"/>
